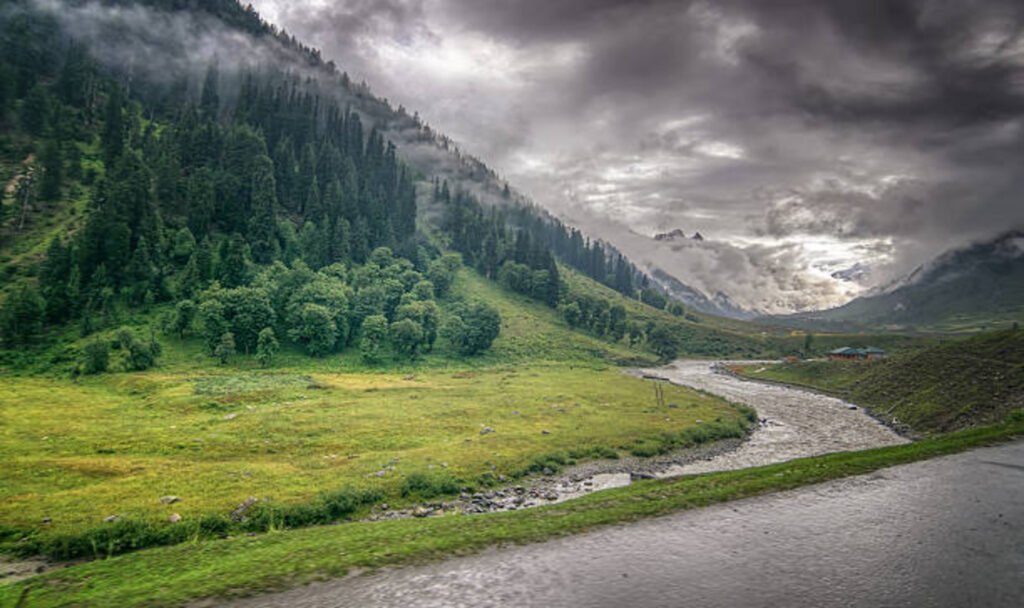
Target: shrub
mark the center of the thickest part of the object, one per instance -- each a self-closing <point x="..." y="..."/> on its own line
<point x="553" y="461"/>
<point x="646" y="450"/>
<point x="375" y="331"/>
<point x="266" y="347"/>
<point x="95" y="357"/>
<point x="429" y="486"/>
<point x="663" y="342"/>
<point x="132" y="533"/>
<point x="473" y="328"/>
<point x="137" y="355"/>
<point x="225" y="348"/>
<point x="406" y="336"/>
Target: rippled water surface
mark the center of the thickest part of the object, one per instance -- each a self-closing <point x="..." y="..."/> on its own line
<point x="945" y="532"/>
<point x="796" y="423"/>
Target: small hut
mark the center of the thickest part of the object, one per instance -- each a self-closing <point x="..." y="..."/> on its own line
<point x="849" y="353"/>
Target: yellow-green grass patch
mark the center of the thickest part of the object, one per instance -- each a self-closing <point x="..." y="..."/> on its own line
<point x="76" y="452"/>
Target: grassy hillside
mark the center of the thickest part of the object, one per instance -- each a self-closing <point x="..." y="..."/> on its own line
<point x="965" y="383"/>
<point x="703" y="335"/>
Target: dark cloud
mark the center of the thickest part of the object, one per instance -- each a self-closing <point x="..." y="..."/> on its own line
<point x="801" y="136"/>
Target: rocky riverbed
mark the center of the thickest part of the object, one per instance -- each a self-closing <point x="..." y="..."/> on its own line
<point x="793" y="423"/>
<point x="573" y="482"/>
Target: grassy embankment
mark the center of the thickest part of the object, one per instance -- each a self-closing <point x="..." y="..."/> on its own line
<point x="173" y="576"/>
<point x="964" y="383"/>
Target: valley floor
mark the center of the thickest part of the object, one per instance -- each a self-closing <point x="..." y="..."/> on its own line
<point x="171" y="576"/>
<point x="76" y="453"/>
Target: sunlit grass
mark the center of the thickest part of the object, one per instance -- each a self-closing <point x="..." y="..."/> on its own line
<point x="175" y="576"/>
<point x="76" y="452"/>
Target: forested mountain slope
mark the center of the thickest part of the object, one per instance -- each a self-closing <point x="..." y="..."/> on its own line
<point x="189" y="160"/>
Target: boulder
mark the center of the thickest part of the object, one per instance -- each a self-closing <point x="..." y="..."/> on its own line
<point x="239" y="513"/>
<point x="111" y="519"/>
<point x="169" y="500"/>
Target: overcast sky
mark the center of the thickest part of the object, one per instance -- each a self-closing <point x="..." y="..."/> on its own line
<point x="801" y="137"/>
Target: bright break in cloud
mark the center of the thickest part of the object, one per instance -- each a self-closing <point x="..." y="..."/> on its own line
<point x="803" y="139"/>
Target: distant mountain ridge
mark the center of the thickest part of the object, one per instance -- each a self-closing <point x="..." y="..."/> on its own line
<point x="719" y="304"/>
<point x="962" y="289"/>
<point x="677" y="234"/>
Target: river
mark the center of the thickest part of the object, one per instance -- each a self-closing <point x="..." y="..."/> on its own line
<point x="946" y="532"/>
<point x="943" y="532"/>
<point x="793" y="424"/>
<point x="796" y="423"/>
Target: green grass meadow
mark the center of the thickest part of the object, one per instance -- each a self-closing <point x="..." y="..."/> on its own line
<point x="79" y="452"/>
<point x="181" y="574"/>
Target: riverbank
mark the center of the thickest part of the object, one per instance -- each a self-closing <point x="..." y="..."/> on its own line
<point x="739" y="369"/>
<point x="573" y="482"/>
<point x="181" y="574"/>
<point x="792" y="423"/>
<point x="906" y="536"/>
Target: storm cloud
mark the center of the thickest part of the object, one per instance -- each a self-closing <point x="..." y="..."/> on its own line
<point x="802" y="137"/>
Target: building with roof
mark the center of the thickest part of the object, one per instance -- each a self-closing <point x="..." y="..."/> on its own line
<point x="849" y="353"/>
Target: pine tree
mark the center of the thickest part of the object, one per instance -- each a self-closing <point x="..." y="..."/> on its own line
<point x="200" y="198"/>
<point x="53" y="171"/>
<point x="263" y="223"/>
<point x="35" y="111"/>
<point x="209" y="102"/>
<point x="113" y="127"/>
<point x="21" y="315"/>
<point x="234" y="261"/>
<point x="54" y="276"/>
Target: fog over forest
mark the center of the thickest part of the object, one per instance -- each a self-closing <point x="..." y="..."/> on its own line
<point x="800" y="140"/>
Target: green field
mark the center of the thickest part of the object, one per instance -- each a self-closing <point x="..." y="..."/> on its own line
<point x="179" y="575"/>
<point x="78" y="451"/>
<point x="964" y="383"/>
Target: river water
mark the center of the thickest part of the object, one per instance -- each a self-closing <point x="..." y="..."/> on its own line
<point x="796" y="423"/>
<point x="944" y="532"/>
<point x="947" y="532"/>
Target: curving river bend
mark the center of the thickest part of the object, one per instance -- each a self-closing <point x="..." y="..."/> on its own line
<point x="944" y="532"/>
<point x="796" y="423"/>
